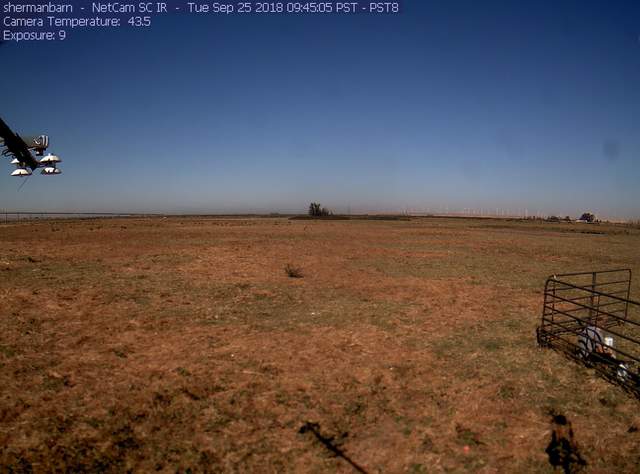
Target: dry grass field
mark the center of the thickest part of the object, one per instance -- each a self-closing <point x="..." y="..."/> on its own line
<point x="182" y="345"/>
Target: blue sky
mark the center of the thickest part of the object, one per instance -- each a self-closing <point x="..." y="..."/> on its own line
<point x="449" y="105"/>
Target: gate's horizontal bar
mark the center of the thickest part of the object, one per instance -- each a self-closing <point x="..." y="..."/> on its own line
<point x="586" y="289"/>
<point x="596" y="292"/>
<point x="600" y="313"/>
<point x="604" y="283"/>
<point x="602" y="325"/>
<point x="634" y="358"/>
<point x="591" y="273"/>
<point x="578" y="298"/>
<point x="613" y="309"/>
<point x="588" y="322"/>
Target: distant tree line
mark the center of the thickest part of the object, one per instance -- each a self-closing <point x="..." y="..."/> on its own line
<point x="588" y="217"/>
<point x="585" y="217"/>
<point x="316" y="210"/>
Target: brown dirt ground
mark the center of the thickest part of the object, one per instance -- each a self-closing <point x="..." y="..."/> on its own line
<point x="180" y="345"/>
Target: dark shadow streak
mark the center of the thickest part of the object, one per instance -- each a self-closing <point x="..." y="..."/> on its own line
<point x="328" y="443"/>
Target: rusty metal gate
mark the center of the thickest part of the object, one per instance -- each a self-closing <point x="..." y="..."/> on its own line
<point x="590" y="317"/>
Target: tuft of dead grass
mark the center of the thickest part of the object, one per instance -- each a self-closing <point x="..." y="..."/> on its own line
<point x="292" y="271"/>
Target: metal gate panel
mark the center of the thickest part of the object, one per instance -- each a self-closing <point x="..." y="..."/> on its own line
<point x="590" y="317"/>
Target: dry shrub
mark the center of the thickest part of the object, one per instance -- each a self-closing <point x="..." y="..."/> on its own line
<point x="292" y="271"/>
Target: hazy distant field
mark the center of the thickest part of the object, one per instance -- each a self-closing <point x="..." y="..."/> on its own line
<point x="176" y="344"/>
